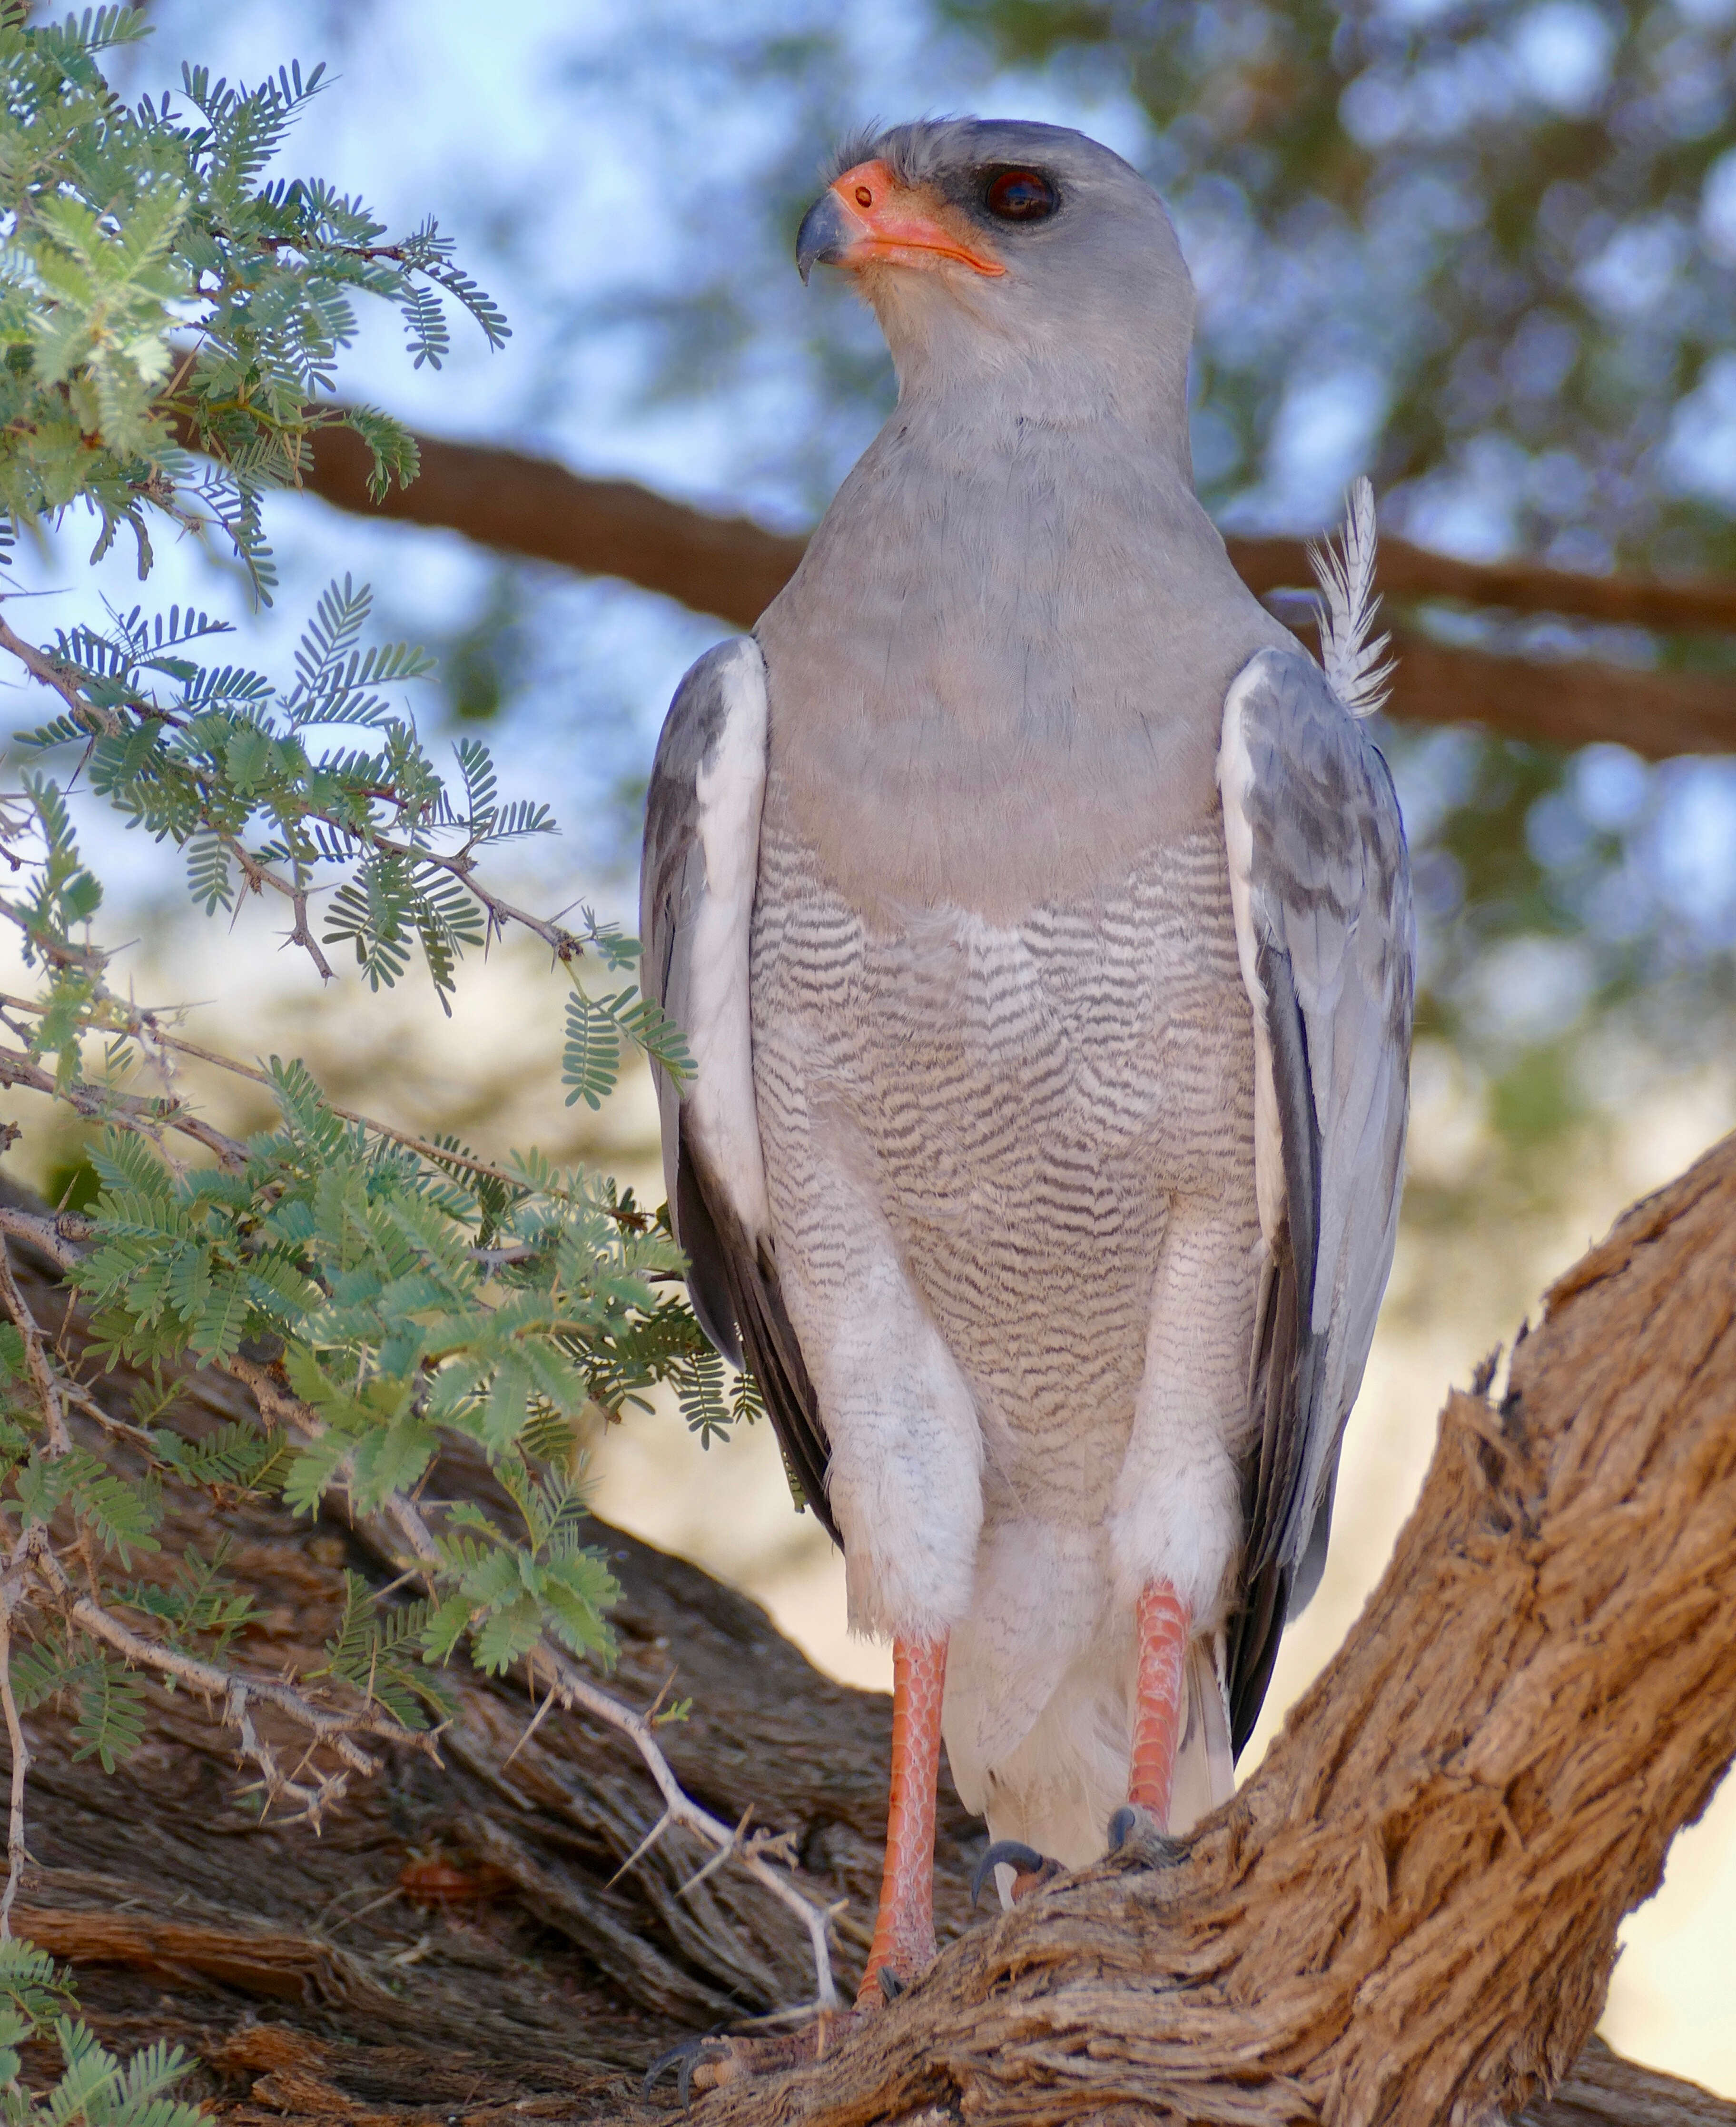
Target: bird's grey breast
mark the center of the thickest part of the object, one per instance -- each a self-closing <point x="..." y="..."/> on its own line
<point x="997" y="677"/>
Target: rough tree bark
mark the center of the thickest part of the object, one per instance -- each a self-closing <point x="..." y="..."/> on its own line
<point x="732" y="566"/>
<point x="1408" y="1914"/>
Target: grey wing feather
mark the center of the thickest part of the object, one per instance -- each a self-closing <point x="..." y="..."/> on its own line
<point x="696" y="890"/>
<point x="1325" y="921"/>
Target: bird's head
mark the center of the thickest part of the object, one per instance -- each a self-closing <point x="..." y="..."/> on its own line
<point x="1002" y="247"/>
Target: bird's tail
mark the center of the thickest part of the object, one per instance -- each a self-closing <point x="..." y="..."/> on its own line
<point x="1058" y="1787"/>
<point x="1205" y="1761"/>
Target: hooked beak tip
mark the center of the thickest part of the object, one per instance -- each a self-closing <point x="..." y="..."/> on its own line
<point x="823" y="236"/>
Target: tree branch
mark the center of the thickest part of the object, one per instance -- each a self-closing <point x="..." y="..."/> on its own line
<point x="41" y="1372"/>
<point x="125" y="1110"/>
<point x="578" y="1693"/>
<point x="1409" y="1913"/>
<point x="52" y="674"/>
<point x="237" y="1694"/>
<point x="557" y="1822"/>
<point x="732" y="566"/>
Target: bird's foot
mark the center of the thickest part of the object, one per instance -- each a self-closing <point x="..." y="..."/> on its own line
<point x="712" y="2061"/>
<point x="1135" y="1836"/>
<point x="1018" y="1871"/>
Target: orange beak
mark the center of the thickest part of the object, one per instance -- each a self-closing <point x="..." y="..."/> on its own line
<point x="867" y="215"/>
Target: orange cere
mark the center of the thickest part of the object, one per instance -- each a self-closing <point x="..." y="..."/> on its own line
<point x="894" y="220"/>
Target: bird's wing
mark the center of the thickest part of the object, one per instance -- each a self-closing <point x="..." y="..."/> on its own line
<point x="696" y="906"/>
<point x="1321" y="888"/>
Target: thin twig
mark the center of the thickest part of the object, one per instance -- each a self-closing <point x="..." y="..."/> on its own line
<point x="579" y="1694"/>
<point x="42" y="1368"/>
<point x="52" y="673"/>
<point x="142" y="1026"/>
<point x="564" y="943"/>
<point x="336" y="1731"/>
<point x="146" y="1118"/>
<point x="259" y="876"/>
<point x="88" y="958"/>
<point x="16" y="1856"/>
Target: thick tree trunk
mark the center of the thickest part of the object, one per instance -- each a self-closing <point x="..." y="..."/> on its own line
<point x="1407" y="1915"/>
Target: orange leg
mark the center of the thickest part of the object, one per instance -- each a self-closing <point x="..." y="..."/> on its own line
<point x="1164" y="1630"/>
<point x="904" y="1930"/>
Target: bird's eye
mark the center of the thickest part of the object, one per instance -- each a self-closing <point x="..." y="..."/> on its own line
<point x="1019" y="196"/>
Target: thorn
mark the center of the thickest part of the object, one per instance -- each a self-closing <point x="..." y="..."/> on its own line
<point x="719" y="1857"/>
<point x="642" y="1849"/>
<point x="536" y="1722"/>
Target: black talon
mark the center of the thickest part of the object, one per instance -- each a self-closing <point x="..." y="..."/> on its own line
<point x="1026" y="1859"/>
<point x="890" y="1985"/>
<point x="684" y="2059"/>
<point x="1134" y="1834"/>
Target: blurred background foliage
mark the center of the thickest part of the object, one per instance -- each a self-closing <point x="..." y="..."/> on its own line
<point x="1486" y="252"/>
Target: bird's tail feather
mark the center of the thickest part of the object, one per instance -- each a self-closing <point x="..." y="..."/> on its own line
<point x="1205" y="1763"/>
<point x="1057" y="1789"/>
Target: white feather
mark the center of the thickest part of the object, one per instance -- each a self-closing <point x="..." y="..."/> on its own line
<point x="730" y="788"/>
<point x="1235" y="779"/>
<point x="1355" y="658"/>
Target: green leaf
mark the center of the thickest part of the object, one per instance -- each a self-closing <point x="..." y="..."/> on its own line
<point x="111" y="1721"/>
<point x="509" y="1634"/>
<point x="313" y="1471"/>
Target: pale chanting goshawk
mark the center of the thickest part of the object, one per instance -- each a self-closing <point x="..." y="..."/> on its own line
<point x="1037" y="916"/>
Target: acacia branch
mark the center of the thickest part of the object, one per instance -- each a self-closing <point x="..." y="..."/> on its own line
<point x="1410" y="1911"/>
<point x="330" y="1728"/>
<point x="130" y="1111"/>
<point x="540" y="510"/>
<point x="52" y="673"/>
<point x="35" y="1358"/>
<point x="564" y="944"/>
<point x="142" y="1026"/>
<point x="258" y="877"/>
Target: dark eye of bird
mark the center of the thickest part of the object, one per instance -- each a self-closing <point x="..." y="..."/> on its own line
<point x="1019" y="196"/>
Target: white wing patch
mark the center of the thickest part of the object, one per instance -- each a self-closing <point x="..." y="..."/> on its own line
<point x="721" y="1114"/>
<point x="1235" y="780"/>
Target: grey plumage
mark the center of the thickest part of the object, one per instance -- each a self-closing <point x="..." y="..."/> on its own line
<point x="1334" y="945"/>
<point x="1044" y="1150"/>
<point x="732" y="1279"/>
